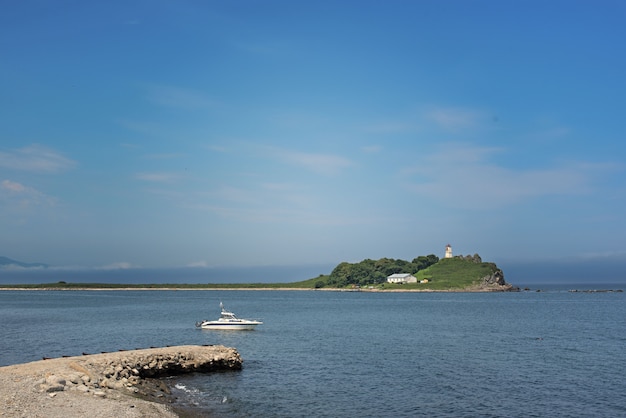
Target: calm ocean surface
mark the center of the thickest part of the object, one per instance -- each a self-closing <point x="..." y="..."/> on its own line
<point x="345" y="354"/>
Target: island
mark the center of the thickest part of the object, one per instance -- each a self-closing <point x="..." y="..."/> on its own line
<point x="426" y="273"/>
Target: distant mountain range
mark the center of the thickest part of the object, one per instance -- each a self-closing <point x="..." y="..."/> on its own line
<point x="5" y="262"/>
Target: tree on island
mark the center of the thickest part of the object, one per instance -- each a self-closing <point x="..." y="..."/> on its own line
<point x="373" y="272"/>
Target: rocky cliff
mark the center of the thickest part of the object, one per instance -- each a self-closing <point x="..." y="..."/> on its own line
<point x="495" y="281"/>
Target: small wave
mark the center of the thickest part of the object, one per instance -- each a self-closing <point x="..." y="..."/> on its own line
<point x="184" y="388"/>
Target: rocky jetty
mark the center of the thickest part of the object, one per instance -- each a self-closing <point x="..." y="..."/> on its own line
<point x="126" y="369"/>
<point x="57" y="386"/>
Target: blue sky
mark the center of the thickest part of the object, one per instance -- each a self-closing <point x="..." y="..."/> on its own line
<point x="222" y="133"/>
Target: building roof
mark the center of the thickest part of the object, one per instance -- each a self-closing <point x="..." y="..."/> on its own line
<point x="399" y="275"/>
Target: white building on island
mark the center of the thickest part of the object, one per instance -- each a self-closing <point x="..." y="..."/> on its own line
<point x="448" y="251"/>
<point x="401" y="278"/>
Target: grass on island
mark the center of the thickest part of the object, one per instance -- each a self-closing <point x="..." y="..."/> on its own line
<point x="447" y="274"/>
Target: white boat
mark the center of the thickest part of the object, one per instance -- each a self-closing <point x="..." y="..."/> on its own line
<point x="229" y="321"/>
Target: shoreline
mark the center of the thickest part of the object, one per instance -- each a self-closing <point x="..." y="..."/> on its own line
<point x="109" y="384"/>
<point x="99" y="289"/>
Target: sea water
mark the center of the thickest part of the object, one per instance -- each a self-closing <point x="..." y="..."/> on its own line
<point x="346" y="354"/>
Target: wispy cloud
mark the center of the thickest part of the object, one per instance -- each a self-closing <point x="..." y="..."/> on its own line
<point x="160" y="177"/>
<point x="118" y="265"/>
<point x="235" y="194"/>
<point x="198" y="264"/>
<point x="231" y="200"/>
<point x="180" y="98"/>
<point x="283" y="215"/>
<point x="371" y="149"/>
<point x="327" y="164"/>
<point x="165" y="156"/>
<point x="16" y="267"/>
<point x="142" y="127"/>
<point x="392" y="127"/>
<point x="268" y="202"/>
<point x="451" y="119"/>
<point x="275" y="49"/>
<point x="217" y="148"/>
<point x="121" y="265"/>
<point x="455" y="118"/>
<point x="13" y="187"/>
<point x="550" y="134"/>
<point x="22" y="197"/>
<point x="463" y="176"/>
<point x="35" y="158"/>
<point x="609" y="255"/>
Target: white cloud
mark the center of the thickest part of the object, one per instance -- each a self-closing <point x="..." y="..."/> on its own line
<point x="164" y="156"/>
<point x="235" y="194"/>
<point x="285" y="215"/>
<point x="462" y="176"/>
<point x="180" y="98"/>
<point x="391" y="127"/>
<point x="35" y="158"/>
<point x="456" y="119"/>
<point x="121" y="265"/>
<point x="371" y="149"/>
<point x="145" y="128"/>
<point x="452" y="119"/>
<point x="605" y="255"/>
<point x="162" y="177"/>
<point x="278" y="186"/>
<point x="265" y="49"/>
<point x="198" y="264"/>
<point x="17" y="195"/>
<point x="549" y="134"/>
<point x="327" y="164"/>
<point x="16" y="267"/>
<point x="13" y="186"/>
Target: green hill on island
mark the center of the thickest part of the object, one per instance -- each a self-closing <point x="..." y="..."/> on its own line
<point x="462" y="273"/>
<point x="456" y="273"/>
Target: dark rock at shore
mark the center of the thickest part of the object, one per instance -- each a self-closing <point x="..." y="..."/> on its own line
<point x="496" y="282"/>
<point x="153" y="389"/>
<point x="496" y="279"/>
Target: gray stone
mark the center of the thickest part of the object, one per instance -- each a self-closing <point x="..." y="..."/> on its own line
<point x="82" y="388"/>
<point x="55" y="380"/>
<point x="55" y="388"/>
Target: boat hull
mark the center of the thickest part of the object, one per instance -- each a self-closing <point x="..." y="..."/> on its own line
<point x="230" y="326"/>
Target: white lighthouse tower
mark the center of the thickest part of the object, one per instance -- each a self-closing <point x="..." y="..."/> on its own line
<point x="448" y="251"/>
